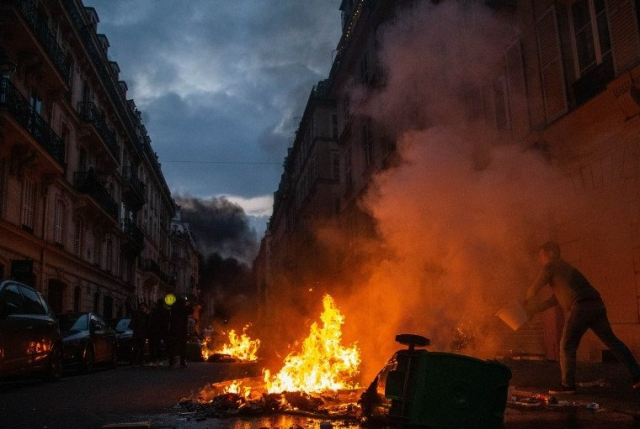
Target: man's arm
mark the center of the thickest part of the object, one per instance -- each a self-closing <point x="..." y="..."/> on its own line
<point x="541" y="281"/>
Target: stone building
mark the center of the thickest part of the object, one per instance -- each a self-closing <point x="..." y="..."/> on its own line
<point x="85" y="212"/>
<point x="567" y="85"/>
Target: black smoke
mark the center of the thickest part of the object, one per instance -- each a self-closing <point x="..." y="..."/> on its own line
<point x="227" y="244"/>
<point x="219" y="227"/>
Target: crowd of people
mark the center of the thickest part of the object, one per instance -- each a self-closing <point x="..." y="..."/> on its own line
<point x="165" y="329"/>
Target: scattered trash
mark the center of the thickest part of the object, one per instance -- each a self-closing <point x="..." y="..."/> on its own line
<point x="593" y="406"/>
<point x="596" y="383"/>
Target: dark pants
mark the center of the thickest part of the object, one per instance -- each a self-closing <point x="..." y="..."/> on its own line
<point x="590" y="315"/>
<point x="156" y="343"/>
<point x="138" y="350"/>
<point x="178" y="347"/>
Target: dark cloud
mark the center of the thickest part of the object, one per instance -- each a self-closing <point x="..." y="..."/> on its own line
<point x="221" y="81"/>
<point x="220" y="228"/>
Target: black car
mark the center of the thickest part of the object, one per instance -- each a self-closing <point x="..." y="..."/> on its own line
<point x="124" y="339"/>
<point x="88" y="340"/>
<point x="30" y="340"/>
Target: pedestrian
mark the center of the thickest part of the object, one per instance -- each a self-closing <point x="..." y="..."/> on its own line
<point x="583" y="309"/>
<point x="140" y="328"/>
<point x="179" y="330"/>
<point x="159" y="321"/>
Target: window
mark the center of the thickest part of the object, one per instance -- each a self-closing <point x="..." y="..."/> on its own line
<point x="591" y="34"/>
<point x="77" y="295"/>
<point x="28" y="204"/>
<point x="335" y="166"/>
<point x="334" y="125"/>
<point x="32" y="302"/>
<point x="347" y="171"/>
<point x="60" y="219"/>
<point x="77" y="237"/>
<point x="109" y="255"/>
<point x="97" y="251"/>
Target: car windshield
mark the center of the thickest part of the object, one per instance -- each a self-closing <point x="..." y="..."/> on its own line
<point x="74" y="322"/>
<point x="123" y="325"/>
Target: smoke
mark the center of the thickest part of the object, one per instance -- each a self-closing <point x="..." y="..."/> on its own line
<point x="228" y="245"/>
<point x="220" y="227"/>
<point x="461" y="216"/>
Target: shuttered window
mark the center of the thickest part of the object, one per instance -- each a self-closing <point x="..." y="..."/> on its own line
<point x="28" y="203"/>
<point x="551" y="68"/>
<point x="60" y="219"/>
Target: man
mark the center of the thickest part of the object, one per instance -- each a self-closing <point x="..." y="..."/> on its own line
<point x="583" y="309"/>
<point x="179" y="330"/>
<point x="140" y="326"/>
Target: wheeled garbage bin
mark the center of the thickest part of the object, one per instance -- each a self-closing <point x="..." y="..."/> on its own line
<point x="435" y="390"/>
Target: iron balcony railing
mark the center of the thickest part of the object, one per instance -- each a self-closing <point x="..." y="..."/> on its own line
<point x="88" y="182"/>
<point x="132" y="231"/>
<point x="130" y="177"/>
<point x="89" y="112"/>
<point x="12" y="101"/>
<point x="45" y="37"/>
<point x="149" y="265"/>
<point x="104" y="72"/>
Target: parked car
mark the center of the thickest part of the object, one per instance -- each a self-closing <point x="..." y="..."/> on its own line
<point x="30" y="340"/>
<point x="88" y="340"/>
<point x="124" y="339"/>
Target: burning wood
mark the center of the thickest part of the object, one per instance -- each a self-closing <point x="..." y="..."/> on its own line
<point x="318" y="380"/>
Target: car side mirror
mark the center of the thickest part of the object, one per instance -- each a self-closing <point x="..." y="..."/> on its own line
<point x="7" y="309"/>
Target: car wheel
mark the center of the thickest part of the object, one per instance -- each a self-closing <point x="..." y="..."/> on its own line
<point x="88" y="359"/>
<point x="54" y="367"/>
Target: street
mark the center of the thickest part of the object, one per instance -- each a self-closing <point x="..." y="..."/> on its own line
<point x="134" y="394"/>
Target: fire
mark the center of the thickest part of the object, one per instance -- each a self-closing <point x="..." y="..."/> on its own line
<point x="323" y="363"/>
<point x="241" y="347"/>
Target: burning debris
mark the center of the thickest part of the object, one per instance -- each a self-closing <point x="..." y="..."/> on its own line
<point x="240" y="348"/>
<point x="319" y="380"/>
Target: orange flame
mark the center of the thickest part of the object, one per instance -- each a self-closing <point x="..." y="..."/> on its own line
<point x="241" y="347"/>
<point x="323" y="363"/>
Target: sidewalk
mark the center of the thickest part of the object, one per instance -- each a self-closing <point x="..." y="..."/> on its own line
<point x="606" y="384"/>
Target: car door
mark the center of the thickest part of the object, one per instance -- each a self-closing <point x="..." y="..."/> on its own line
<point x="15" y="330"/>
<point x="103" y="338"/>
<point x="44" y="326"/>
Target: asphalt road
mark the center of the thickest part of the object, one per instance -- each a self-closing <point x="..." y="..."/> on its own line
<point x="107" y="396"/>
<point x="133" y="394"/>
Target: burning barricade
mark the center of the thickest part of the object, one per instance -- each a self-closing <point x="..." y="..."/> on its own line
<point x="415" y="388"/>
<point x="319" y="379"/>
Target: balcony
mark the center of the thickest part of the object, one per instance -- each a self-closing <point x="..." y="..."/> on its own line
<point x="152" y="267"/>
<point x="90" y="114"/>
<point x="27" y="119"/>
<point x="88" y="182"/>
<point x="46" y="39"/>
<point x="134" y="238"/>
<point x="133" y="190"/>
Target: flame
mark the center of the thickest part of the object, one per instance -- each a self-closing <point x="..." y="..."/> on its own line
<point x="242" y="347"/>
<point x="323" y="363"/>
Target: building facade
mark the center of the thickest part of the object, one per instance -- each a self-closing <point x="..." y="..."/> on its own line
<point x="85" y="212"/>
<point x="567" y="86"/>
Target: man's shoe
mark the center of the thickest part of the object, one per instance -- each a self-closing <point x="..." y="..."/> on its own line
<point x="564" y="390"/>
<point x="636" y="383"/>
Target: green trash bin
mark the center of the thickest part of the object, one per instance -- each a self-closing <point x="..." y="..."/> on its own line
<point x="447" y="391"/>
